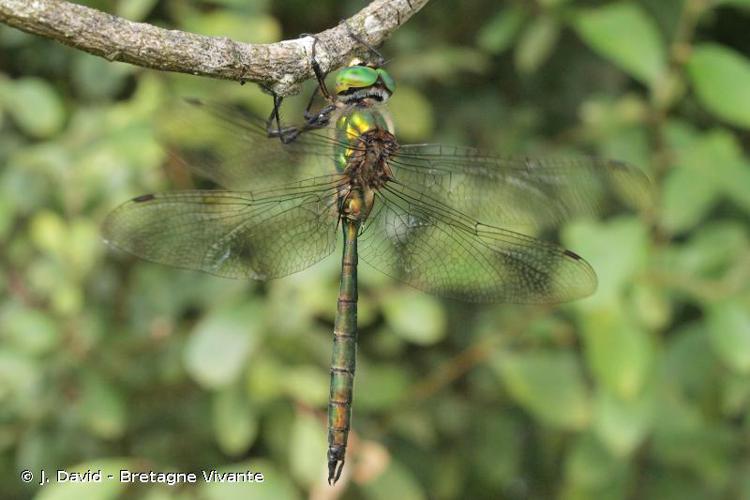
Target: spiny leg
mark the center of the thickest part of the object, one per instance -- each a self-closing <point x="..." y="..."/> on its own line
<point x="313" y="121"/>
<point x="319" y="74"/>
<point x="322" y="117"/>
<point x="273" y="123"/>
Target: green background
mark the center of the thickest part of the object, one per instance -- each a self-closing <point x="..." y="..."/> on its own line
<point x="639" y="392"/>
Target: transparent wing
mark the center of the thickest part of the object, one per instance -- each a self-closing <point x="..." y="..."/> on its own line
<point x="418" y="240"/>
<point x="258" y="235"/>
<point x="232" y="147"/>
<point x="519" y="191"/>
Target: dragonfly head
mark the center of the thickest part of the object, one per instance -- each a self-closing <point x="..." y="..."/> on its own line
<point x="363" y="83"/>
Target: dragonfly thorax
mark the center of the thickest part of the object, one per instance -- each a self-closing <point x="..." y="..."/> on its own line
<point x="367" y="166"/>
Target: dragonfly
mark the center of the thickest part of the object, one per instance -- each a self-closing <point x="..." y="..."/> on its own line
<point x="447" y="220"/>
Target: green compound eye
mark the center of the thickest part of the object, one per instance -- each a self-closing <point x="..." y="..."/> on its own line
<point x="355" y="77"/>
<point x="387" y="80"/>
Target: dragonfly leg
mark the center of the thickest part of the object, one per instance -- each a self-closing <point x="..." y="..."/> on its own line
<point x="322" y="117"/>
<point x="273" y="123"/>
<point x="313" y="120"/>
<point x="290" y="133"/>
<point x="319" y="74"/>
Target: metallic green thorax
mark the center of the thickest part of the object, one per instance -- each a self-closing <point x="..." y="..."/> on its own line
<point x="350" y="126"/>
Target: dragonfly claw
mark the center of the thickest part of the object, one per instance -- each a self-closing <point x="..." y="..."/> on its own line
<point x="334" y="471"/>
<point x="335" y="465"/>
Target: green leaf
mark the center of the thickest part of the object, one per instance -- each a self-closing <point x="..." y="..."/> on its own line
<point x="102" y="407"/>
<point x="380" y="386"/>
<point x="536" y="44"/>
<point x="652" y="306"/>
<point x="411" y="113"/>
<point x="19" y="374"/>
<point x="499" y="465"/>
<point x="686" y="370"/>
<point x="547" y="384"/>
<point x="623" y="33"/>
<point x="621" y="425"/>
<point x="729" y="332"/>
<point x="134" y="10"/>
<point x="31" y="330"/>
<point x="98" y="78"/>
<point x="744" y="481"/>
<point x="221" y="343"/>
<point x="592" y="472"/>
<point x="243" y="28"/>
<point x="395" y="482"/>
<point x="713" y="250"/>
<point x="685" y="201"/>
<point x="307" y="384"/>
<point x="106" y="489"/>
<point x="735" y="395"/>
<point x="442" y="62"/>
<point x="235" y="422"/>
<point x="266" y="378"/>
<point x="307" y="446"/>
<point x="741" y="4"/>
<point x="736" y="181"/>
<point x="275" y="485"/>
<point x="36" y="107"/>
<point x="415" y="316"/>
<point x="7" y="209"/>
<point x="704" y="168"/>
<point x="616" y="250"/>
<point x="618" y="352"/>
<point x="721" y="79"/>
<point x="498" y="34"/>
<point x="48" y="232"/>
<point x="684" y="438"/>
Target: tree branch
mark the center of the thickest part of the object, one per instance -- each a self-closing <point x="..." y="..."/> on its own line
<point x="282" y="65"/>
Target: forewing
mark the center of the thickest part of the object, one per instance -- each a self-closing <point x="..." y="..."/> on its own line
<point x="519" y="191"/>
<point x="432" y="247"/>
<point x="258" y="235"/>
<point x="230" y="146"/>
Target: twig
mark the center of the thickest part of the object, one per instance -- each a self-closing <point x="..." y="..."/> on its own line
<point x="281" y="66"/>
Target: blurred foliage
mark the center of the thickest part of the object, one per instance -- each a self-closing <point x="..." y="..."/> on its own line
<point x="641" y="391"/>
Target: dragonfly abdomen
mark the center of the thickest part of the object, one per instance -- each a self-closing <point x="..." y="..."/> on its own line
<point x="343" y="359"/>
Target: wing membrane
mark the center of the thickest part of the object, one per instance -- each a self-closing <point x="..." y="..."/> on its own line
<point x="430" y="246"/>
<point x="519" y="191"/>
<point x="233" y="148"/>
<point x="261" y="235"/>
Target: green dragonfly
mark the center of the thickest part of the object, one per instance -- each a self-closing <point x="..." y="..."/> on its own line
<point x="443" y="219"/>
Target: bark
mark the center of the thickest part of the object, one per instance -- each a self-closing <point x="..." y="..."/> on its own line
<point x="281" y="66"/>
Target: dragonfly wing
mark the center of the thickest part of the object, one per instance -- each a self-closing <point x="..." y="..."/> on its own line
<point x="232" y="234"/>
<point x="438" y="250"/>
<point x="519" y="191"/>
<point x="234" y="151"/>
